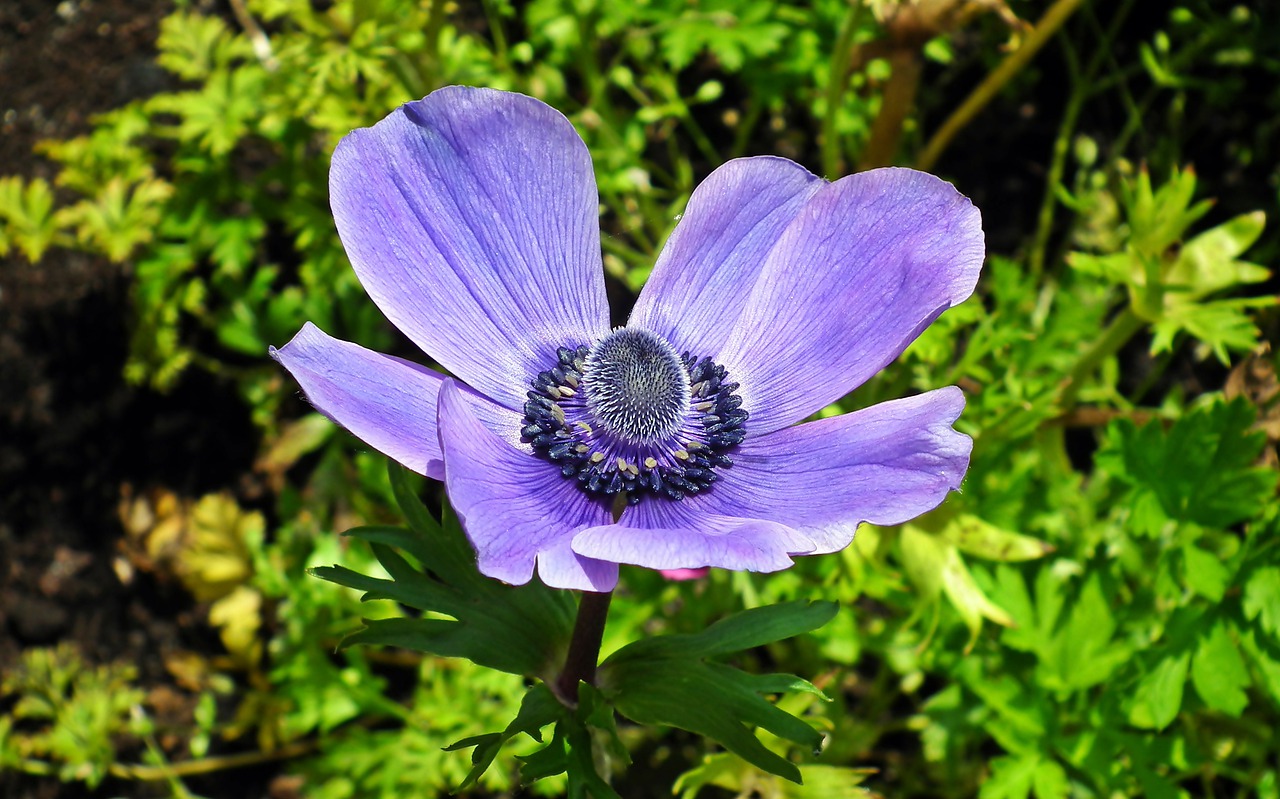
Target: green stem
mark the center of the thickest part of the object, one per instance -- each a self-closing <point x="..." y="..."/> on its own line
<point x="1061" y="147"/>
<point x="584" y="647"/>
<point x="499" y="36"/>
<point x="1084" y="85"/>
<point x="841" y="58"/>
<point x="1117" y="334"/>
<point x="986" y="91"/>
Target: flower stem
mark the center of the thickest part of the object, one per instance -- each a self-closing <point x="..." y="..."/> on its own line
<point x="1116" y="335"/>
<point x="898" y="99"/>
<point x="841" y="63"/>
<point x="584" y="647"/>
<point x="986" y="91"/>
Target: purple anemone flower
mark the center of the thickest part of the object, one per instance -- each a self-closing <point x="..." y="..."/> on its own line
<point x="471" y="218"/>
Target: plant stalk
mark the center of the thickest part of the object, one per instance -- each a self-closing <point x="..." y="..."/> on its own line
<point x="1117" y="334"/>
<point x="841" y="66"/>
<point x="895" y="105"/>
<point x="584" y="646"/>
<point x="986" y="91"/>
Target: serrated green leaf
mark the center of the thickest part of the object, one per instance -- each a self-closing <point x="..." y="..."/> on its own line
<point x="451" y="557"/>
<point x="1082" y="653"/>
<point x="518" y="629"/>
<point x="663" y="681"/>
<point x="1205" y="573"/>
<point x="1158" y="696"/>
<point x="1217" y="488"/>
<point x="1218" y="671"/>
<point x="689" y="695"/>
<point x="1262" y="599"/>
<point x="1223" y="325"/>
<point x="538" y="709"/>
<point x="1011" y="778"/>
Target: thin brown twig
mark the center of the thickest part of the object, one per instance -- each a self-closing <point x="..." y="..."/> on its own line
<point x="257" y="36"/>
<point x="141" y="772"/>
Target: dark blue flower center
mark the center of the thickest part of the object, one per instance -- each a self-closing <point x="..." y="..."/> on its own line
<point x="630" y="415"/>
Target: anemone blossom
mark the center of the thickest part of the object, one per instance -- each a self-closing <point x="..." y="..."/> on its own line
<point x="677" y="441"/>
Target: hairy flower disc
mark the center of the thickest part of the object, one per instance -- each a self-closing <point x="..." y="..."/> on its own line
<point x="636" y="386"/>
<point x="631" y="415"/>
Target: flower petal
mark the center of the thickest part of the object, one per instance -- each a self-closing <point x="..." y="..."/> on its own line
<point x="867" y="264"/>
<point x="559" y="566"/>
<point x="669" y="535"/>
<point x="713" y="257"/>
<point x="470" y="217"/>
<point x="514" y="508"/>
<point x="885" y="464"/>
<point x="386" y="402"/>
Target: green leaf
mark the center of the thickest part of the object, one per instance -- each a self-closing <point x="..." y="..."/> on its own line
<point x="1081" y="653"/>
<point x="978" y="537"/>
<point x="1217" y="488"/>
<point x="1205" y="573"/>
<point x="934" y="564"/>
<point x="1223" y="325"/>
<point x="741" y="631"/>
<point x="742" y="779"/>
<point x="663" y="681"/>
<point x="26" y="216"/>
<point x="518" y="629"/>
<point x="1262" y="599"/>
<point x="1158" y="696"/>
<point x="1011" y="778"/>
<point x="1050" y="781"/>
<point x="717" y="703"/>
<point x="538" y="709"/>
<point x="1265" y="657"/>
<point x="1218" y="671"/>
<point x="1208" y="263"/>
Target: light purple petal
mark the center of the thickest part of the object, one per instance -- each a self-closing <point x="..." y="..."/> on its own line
<point x="865" y="266"/>
<point x="471" y="219"/>
<point x="713" y="257"/>
<point x="514" y="508"/>
<point x="886" y="464"/>
<point x="386" y="402"/>
<point x="561" y="567"/>
<point x="676" y="535"/>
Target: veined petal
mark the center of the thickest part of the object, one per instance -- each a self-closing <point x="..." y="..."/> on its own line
<point x="669" y="536"/>
<point x="386" y="402"/>
<point x="470" y="217"/>
<point x="561" y="567"/>
<point x="886" y="464"/>
<point x="514" y="508"/>
<point x="865" y="266"/>
<point x="713" y="257"/>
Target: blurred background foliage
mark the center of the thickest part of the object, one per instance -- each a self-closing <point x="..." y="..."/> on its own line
<point x="1096" y="614"/>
